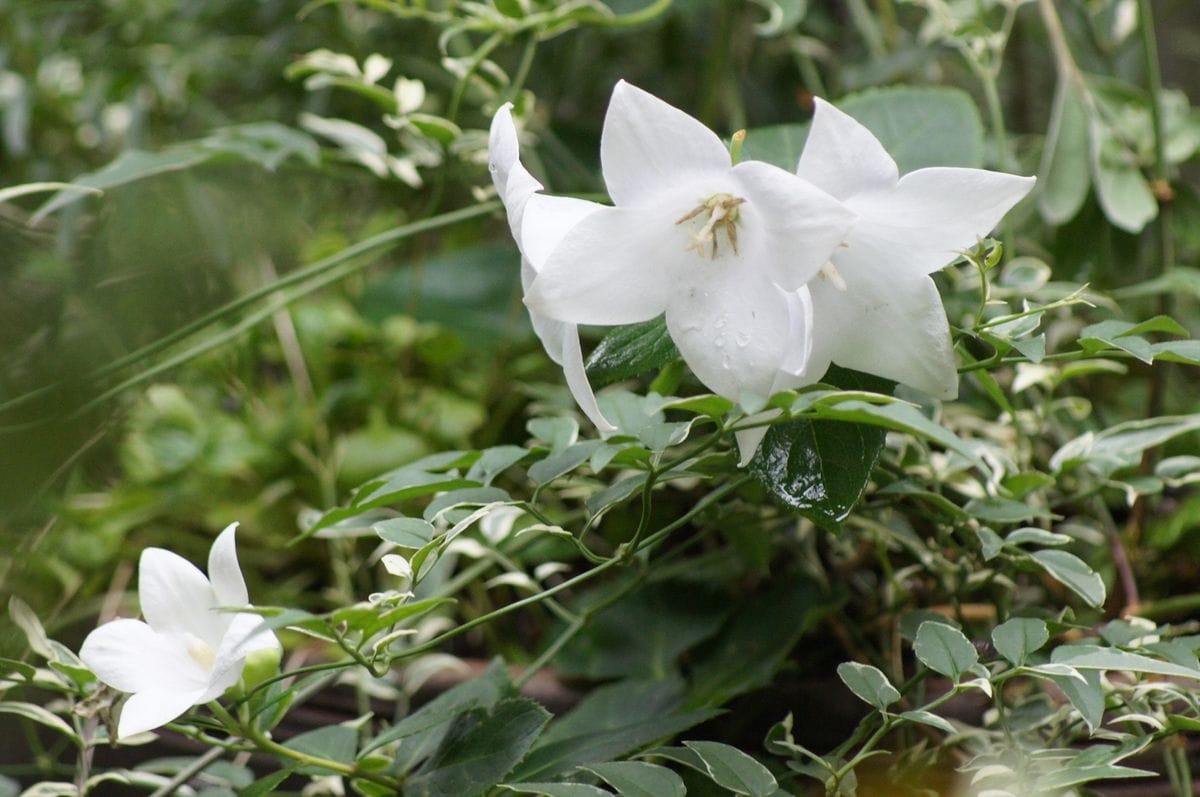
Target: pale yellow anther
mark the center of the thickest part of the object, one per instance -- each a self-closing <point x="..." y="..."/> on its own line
<point x="722" y="210"/>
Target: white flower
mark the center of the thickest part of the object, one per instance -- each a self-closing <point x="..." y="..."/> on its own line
<point x="875" y="307"/>
<point x="188" y="651"/>
<point x="516" y="185"/>
<point x="723" y="250"/>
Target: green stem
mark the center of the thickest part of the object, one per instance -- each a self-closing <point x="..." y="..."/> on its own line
<point x="195" y="767"/>
<point x="864" y="21"/>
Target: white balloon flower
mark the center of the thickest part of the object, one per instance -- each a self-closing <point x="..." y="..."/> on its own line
<point x="723" y="250"/>
<point x="188" y="651"/>
<point x="875" y="307"/>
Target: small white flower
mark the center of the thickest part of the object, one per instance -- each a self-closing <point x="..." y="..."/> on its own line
<point x="875" y="307"/>
<point x="188" y="651"/>
<point x="723" y="250"/>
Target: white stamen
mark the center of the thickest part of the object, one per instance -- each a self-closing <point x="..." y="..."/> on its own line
<point x="829" y="272"/>
<point x="722" y="213"/>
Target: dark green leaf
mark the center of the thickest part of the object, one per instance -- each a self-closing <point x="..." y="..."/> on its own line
<point x="1074" y="573"/>
<point x="480" y="749"/>
<point x="558" y="789"/>
<point x="334" y="743"/>
<point x="1015" y="639"/>
<point x="631" y="350"/>
<point x="407" y="532"/>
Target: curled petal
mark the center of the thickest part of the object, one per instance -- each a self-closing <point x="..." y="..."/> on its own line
<point x="616" y="266"/>
<point x="935" y="214"/>
<point x="176" y="597"/>
<point x="791" y="226"/>
<point x="843" y="157"/>
<point x="224" y="572"/>
<point x="550" y="218"/>
<point x="154" y="708"/>
<point x="647" y="144"/>
<point x="513" y="182"/>
<point x="129" y="656"/>
<point x="577" y="379"/>
<point x="891" y="327"/>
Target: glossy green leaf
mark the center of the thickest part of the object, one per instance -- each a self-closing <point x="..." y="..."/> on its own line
<point x="993" y="509"/>
<point x="733" y="769"/>
<point x="1015" y="639"/>
<point x="557" y="789"/>
<point x="868" y="683"/>
<point x="929" y="718"/>
<point x="639" y="779"/>
<point x="1073" y="573"/>
<point x="944" y="649"/>
<point x="1121" y="446"/>
<point x="407" y="532"/>
<point x="630" y="350"/>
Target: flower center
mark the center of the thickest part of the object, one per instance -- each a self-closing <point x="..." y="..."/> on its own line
<point x="719" y="212"/>
<point x="201" y="652"/>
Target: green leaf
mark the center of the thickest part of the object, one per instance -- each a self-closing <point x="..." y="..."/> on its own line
<point x="1073" y="573"/>
<point x="782" y="16"/>
<point x="480" y="749"/>
<point x="129" y="166"/>
<point x="931" y="719"/>
<point x="1094" y="657"/>
<point x="1075" y="776"/>
<point x="919" y="127"/>
<point x="466" y="496"/>
<point x="993" y="509"/>
<point x="28" y="622"/>
<point x="1015" y="639"/>
<point x="733" y="769"/>
<point x="267" y="784"/>
<point x="821" y="468"/>
<point x="1122" y="189"/>
<point x="868" y="683"/>
<point x="1121" y="446"/>
<point x="944" y="649"/>
<point x="407" y="532"/>
<point x="639" y="779"/>
<point x="557" y="789"/>
<point x="42" y="716"/>
<point x="1034" y="536"/>
<point x="494" y="461"/>
<point x="563" y="462"/>
<point x="630" y="350"/>
<point x="1065" y="173"/>
<point x="334" y="743"/>
<point x="510" y="8"/>
<point x="612" y="721"/>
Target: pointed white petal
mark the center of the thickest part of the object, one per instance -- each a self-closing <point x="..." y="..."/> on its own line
<point x="129" y="656"/>
<point x="175" y="596"/>
<point x="245" y="636"/>
<point x="800" y="332"/>
<point x="843" y="157"/>
<point x="577" y="379"/>
<point x="735" y="332"/>
<point x="935" y="214"/>
<point x="616" y="266"/>
<point x="546" y="222"/>
<point x="154" y="708"/>
<point x="647" y="144"/>
<point x="224" y="572"/>
<point x="513" y="182"/>
<point x="789" y="226"/>
<point x="748" y="440"/>
<point x="881" y="324"/>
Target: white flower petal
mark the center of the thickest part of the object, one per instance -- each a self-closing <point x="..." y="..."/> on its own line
<point x="154" y="708"/>
<point x="735" y="332"/>
<point x="790" y="226"/>
<point x="513" y="181"/>
<point x="843" y="157"/>
<point x="175" y="596"/>
<point x="129" y="656"/>
<point x="616" y="266"/>
<point x="891" y="326"/>
<point x="935" y="214"/>
<point x="245" y="636"/>
<point x="224" y="572"/>
<point x="577" y="379"/>
<point x="647" y="144"/>
<point x="748" y="440"/>
<point x="547" y="220"/>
